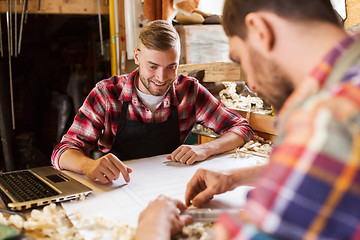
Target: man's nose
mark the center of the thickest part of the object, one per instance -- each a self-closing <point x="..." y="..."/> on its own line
<point x="160" y="75"/>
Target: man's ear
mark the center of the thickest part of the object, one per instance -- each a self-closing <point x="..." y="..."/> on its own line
<point x="260" y="32"/>
<point x="136" y="55"/>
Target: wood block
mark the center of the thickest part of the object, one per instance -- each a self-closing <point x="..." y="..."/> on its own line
<point x="204" y="139"/>
<point x="260" y="122"/>
<point x="216" y="72"/>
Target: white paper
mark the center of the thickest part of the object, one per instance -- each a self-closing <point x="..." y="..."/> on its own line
<point x="151" y="177"/>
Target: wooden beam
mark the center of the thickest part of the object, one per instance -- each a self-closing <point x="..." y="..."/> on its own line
<point x="122" y="36"/>
<point x="59" y="7"/>
<point x="216" y="72"/>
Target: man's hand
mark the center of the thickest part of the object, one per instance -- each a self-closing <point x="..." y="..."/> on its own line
<point x="106" y="169"/>
<point x="189" y="154"/>
<point x="204" y="185"/>
<point x="161" y="219"/>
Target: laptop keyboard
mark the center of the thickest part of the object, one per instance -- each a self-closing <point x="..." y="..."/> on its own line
<point x="25" y="186"/>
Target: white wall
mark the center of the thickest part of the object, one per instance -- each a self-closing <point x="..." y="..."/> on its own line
<point x="211" y="6"/>
<point x="216" y="6"/>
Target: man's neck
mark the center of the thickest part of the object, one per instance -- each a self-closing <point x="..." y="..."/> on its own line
<point x="305" y="49"/>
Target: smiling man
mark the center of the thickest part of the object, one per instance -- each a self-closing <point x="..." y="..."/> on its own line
<point x="145" y="113"/>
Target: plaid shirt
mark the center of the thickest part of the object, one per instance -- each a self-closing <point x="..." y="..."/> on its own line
<point x="311" y="188"/>
<point x="98" y="118"/>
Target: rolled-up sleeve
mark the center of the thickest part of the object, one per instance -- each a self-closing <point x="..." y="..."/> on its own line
<point x="213" y="114"/>
<point x="86" y="128"/>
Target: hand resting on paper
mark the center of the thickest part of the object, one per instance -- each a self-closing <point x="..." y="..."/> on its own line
<point x="105" y="169"/>
<point x="189" y="154"/>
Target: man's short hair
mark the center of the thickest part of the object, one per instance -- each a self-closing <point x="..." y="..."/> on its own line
<point x="159" y="35"/>
<point x="235" y="11"/>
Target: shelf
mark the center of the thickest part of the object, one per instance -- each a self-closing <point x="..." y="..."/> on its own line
<point x="60" y="7"/>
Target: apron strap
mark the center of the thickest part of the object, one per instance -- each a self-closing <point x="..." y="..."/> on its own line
<point x="122" y="119"/>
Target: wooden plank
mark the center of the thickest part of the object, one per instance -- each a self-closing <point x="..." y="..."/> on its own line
<point x="60" y="7"/>
<point x="266" y="136"/>
<point x="352" y="13"/>
<point x="260" y="122"/>
<point x="216" y="72"/>
<point x="204" y="139"/>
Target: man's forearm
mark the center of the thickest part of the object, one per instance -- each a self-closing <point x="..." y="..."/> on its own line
<point x="73" y="160"/>
<point x="226" y="142"/>
<point x="245" y="176"/>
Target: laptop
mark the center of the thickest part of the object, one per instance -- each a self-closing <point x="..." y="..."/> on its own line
<point x="30" y="188"/>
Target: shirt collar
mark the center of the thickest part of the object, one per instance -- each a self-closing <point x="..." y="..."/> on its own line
<point x="127" y="89"/>
<point x="128" y="92"/>
<point x="322" y="71"/>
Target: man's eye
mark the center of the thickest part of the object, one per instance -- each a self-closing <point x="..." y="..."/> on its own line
<point x="152" y="67"/>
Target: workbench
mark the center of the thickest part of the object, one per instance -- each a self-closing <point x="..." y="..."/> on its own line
<point x="122" y="202"/>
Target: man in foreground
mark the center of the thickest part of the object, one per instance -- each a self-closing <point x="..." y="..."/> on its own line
<point x="300" y="60"/>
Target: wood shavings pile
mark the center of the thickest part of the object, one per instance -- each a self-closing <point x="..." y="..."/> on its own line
<point x="258" y="147"/>
<point x="103" y="228"/>
<point x="233" y="100"/>
<point x="48" y="223"/>
<point x="52" y="223"/>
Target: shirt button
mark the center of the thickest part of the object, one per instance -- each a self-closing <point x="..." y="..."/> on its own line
<point x="147" y="110"/>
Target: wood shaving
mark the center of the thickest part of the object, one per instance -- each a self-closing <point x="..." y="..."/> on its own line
<point x="258" y="147"/>
<point x="48" y="223"/>
<point x="198" y="230"/>
<point x="233" y="100"/>
<point x="52" y="223"/>
<point x="103" y="228"/>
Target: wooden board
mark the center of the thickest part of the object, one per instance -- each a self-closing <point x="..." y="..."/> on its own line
<point x="59" y="6"/>
<point x="260" y="122"/>
<point x="216" y="72"/>
<point x="203" y="139"/>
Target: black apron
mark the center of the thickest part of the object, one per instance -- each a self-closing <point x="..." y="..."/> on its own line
<point x="139" y="140"/>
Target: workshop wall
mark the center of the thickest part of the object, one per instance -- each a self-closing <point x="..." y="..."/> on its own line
<point x="58" y="65"/>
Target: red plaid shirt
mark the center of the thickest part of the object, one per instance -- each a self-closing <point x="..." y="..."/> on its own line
<point x="98" y="118"/>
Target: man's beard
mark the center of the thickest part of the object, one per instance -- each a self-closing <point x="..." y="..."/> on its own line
<point x="146" y="83"/>
<point x="273" y="84"/>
